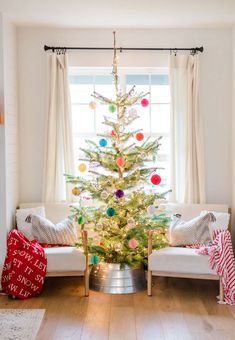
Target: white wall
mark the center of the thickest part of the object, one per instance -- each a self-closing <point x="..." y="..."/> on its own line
<point x="2" y="157"/>
<point x="215" y="92"/>
<point x="9" y="188"/>
<point x="11" y="120"/>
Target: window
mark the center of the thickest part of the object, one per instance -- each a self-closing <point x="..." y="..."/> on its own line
<point x="154" y="120"/>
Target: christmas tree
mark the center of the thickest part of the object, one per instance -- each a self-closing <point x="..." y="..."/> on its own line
<point x="118" y="171"/>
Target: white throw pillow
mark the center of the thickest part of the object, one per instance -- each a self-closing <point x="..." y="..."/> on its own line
<point x="44" y="231"/>
<point x="26" y="227"/>
<point x="222" y="220"/>
<point x="195" y="231"/>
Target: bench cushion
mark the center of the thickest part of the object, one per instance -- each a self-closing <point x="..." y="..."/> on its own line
<point x="65" y="259"/>
<point x="179" y="260"/>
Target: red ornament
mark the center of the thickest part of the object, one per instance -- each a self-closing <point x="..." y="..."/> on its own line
<point x="139" y="136"/>
<point x="120" y="161"/>
<point x="113" y="133"/>
<point x="156" y="179"/>
<point x="144" y="102"/>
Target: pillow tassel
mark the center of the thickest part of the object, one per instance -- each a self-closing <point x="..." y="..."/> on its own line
<point x="29" y="219"/>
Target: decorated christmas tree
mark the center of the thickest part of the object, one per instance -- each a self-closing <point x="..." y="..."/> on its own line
<point x="117" y="181"/>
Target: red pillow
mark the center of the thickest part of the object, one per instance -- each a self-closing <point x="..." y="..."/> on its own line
<point x="24" y="268"/>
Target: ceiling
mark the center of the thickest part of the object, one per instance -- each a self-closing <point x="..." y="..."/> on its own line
<point x="121" y="13"/>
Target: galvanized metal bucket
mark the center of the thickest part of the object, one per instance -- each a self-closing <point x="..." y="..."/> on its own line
<point x="113" y="279"/>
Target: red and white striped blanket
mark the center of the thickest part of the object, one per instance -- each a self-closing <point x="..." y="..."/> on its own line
<point x="221" y="259"/>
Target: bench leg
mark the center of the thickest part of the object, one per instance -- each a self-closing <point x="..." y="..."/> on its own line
<point x="149" y="283"/>
<point x="86" y="279"/>
<point x="221" y="290"/>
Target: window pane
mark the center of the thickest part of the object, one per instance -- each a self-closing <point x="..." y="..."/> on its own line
<point x="160" y="94"/>
<point x="143" y="122"/>
<point x="101" y="111"/>
<point x="137" y="79"/>
<point x="160" y="118"/>
<point x="103" y="80"/>
<point x="83" y="119"/>
<point x="107" y="91"/>
<point x="159" y="79"/>
<point x="164" y="146"/>
<point x="81" y="93"/>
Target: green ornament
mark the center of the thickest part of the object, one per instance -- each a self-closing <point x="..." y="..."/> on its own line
<point x="95" y="260"/>
<point x="112" y="108"/>
<point x="81" y="219"/>
<point x="111" y="212"/>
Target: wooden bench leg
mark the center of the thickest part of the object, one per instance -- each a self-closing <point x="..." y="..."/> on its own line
<point x="149" y="283"/>
<point x="221" y="290"/>
<point x="86" y="279"/>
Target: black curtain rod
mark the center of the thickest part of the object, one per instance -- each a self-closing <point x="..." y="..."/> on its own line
<point x="193" y="49"/>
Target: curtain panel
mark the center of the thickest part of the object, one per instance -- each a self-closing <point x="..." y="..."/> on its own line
<point x="59" y="156"/>
<point x="187" y="157"/>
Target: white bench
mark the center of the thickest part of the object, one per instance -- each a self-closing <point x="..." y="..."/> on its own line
<point x="64" y="261"/>
<point x="179" y="261"/>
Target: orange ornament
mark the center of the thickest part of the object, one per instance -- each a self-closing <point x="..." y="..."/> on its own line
<point x="139" y="136"/>
<point x="120" y="161"/>
<point x="76" y="191"/>
<point x="82" y="167"/>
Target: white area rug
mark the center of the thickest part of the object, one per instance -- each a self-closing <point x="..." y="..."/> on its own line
<point x="20" y="324"/>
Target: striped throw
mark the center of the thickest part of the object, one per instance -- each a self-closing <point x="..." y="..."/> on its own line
<point x="222" y="260"/>
<point x="44" y="231"/>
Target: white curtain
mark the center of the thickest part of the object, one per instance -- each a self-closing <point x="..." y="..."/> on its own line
<point x="187" y="158"/>
<point x="59" y="156"/>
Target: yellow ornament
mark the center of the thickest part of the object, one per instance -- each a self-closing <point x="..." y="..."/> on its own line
<point x="92" y="105"/>
<point x="82" y="167"/>
<point x="76" y="191"/>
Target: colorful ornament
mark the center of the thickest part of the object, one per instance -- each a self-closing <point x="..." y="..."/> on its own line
<point x="112" y="108"/>
<point x="133" y="243"/>
<point x="92" y="105"/>
<point x="139" y="136"/>
<point x="156" y="179"/>
<point x="113" y="133"/>
<point x="82" y="167"/>
<point x="104" y="195"/>
<point x="103" y="142"/>
<point x="120" y="161"/>
<point x="76" y="191"/>
<point x="151" y="210"/>
<point x="119" y="193"/>
<point x="111" y="212"/>
<point x="95" y="260"/>
<point x="81" y="219"/>
<point x="144" y="102"/>
<point x="133" y="113"/>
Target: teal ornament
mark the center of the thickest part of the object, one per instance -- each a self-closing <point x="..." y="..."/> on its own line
<point x="103" y="142"/>
<point x="111" y="212"/>
<point x="112" y="108"/>
<point x="81" y="219"/>
<point x="95" y="260"/>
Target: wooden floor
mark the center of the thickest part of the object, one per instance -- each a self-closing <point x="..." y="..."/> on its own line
<point x="179" y="309"/>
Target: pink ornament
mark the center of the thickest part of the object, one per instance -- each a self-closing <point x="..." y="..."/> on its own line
<point x="113" y="133"/>
<point x="133" y="243"/>
<point x="120" y="161"/>
<point x="144" y="102"/>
